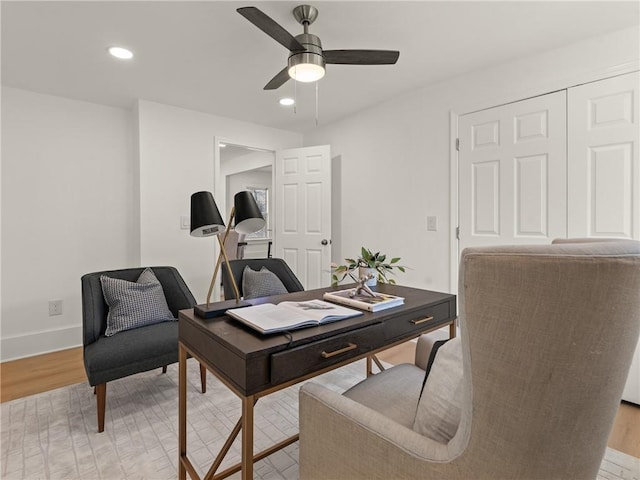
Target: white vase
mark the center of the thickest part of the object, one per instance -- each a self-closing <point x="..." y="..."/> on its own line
<point x="364" y="271"/>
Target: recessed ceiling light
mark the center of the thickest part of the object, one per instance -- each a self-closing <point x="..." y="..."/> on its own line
<point x="287" y="102"/>
<point x="222" y="145"/>
<point x="121" y="53"/>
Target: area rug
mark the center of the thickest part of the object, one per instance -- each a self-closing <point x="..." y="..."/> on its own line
<point x="53" y="435"/>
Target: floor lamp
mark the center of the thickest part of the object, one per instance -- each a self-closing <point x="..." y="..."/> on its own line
<point x="207" y="221"/>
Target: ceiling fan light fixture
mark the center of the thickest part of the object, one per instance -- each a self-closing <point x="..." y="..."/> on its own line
<point x="306" y="67"/>
<point x="287" y="102"/>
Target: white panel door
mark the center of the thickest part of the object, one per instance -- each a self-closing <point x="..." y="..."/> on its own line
<point x="604" y="169"/>
<point x="604" y="137"/>
<point x="303" y="213"/>
<point x="512" y="173"/>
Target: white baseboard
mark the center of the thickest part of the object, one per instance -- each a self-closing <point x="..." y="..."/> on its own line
<point x="12" y="348"/>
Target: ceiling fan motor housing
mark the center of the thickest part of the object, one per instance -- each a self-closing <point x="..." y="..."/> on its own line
<point x="312" y="54"/>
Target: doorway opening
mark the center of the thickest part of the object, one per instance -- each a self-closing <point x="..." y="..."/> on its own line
<point x="248" y="168"/>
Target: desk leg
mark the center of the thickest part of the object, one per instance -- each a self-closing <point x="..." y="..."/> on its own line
<point x="452" y="329"/>
<point x="182" y="411"/>
<point x="247" y="437"/>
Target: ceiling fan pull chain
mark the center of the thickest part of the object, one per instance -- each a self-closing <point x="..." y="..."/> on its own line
<point x="317" y="104"/>
<point x="295" y="97"/>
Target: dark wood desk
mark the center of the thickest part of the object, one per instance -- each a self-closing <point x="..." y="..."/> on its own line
<point x="253" y="365"/>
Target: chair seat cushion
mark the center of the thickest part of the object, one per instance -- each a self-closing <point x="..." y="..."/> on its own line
<point x="261" y="284"/>
<point x="439" y="410"/>
<point x="131" y="351"/>
<point x="393" y="393"/>
<point x="134" y="304"/>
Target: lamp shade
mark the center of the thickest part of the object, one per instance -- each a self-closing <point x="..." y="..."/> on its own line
<point x="249" y="219"/>
<point x="205" y="216"/>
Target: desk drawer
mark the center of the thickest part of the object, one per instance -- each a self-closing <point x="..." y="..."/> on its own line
<point x="406" y="327"/>
<point x="299" y="361"/>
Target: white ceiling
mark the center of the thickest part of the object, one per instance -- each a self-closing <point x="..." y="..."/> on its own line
<point x="204" y="56"/>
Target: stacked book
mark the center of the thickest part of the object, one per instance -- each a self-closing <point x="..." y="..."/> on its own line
<point x="364" y="300"/>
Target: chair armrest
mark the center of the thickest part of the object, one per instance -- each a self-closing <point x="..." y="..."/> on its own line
<point x="425" y="345"/>
<point x="93" y="308"/>
<point x="329" y="421"/>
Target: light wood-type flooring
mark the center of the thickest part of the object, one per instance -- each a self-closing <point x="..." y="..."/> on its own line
<point x="20" y="378"/>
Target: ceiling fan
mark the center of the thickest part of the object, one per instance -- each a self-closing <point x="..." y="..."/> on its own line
<point x="306" y="58"/>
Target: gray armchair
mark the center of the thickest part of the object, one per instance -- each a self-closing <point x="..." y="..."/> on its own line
<point x="131" y="351"/>
<point x="547" y="337"/>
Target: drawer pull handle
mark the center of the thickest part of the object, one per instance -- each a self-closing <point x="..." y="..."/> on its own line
<point x="351" y="346"/>
<point x="422" y="320"/>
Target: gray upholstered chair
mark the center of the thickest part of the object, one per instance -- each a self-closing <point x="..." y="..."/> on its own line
<point x="131" y="351"/>
<point x="276" y="265"/>
<point x="547" y="338"/>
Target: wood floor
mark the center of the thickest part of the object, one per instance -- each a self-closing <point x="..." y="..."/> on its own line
<point x="28" y="376"/>
<point x="21" y="378"/>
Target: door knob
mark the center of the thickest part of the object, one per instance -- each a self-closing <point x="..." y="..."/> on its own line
<point x="324" y="241"/>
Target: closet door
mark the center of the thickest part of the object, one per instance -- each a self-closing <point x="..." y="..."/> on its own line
<point x="512" y="173"/>
<point x="603" y="165"/>
<point x="604" y="170"/>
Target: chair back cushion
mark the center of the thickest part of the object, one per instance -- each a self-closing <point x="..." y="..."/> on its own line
<point x="548" y="334"/>
<point x="134" y="304"/>
<point x="275" y="265"/>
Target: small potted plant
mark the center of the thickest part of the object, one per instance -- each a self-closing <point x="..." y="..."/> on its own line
<point x="368" y="263"/>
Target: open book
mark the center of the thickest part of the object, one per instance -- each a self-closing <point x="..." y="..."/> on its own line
<point x="270" y="318"/>
<point x="364" y="300"/>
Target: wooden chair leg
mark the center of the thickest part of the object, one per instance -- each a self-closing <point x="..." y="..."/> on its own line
<point x="164" y="369"/>
<point x="203" y="378"/>
<point x="101" y="392"/>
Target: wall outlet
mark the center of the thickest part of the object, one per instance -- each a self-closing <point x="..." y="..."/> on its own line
<point x="432" y="224"/>
<point x="55" y="307"/>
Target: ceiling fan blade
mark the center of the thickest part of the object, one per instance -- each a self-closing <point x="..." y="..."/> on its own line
<point x="361" y="57"/>
<point x="271" y="28"/>
<point x="280" y="79"/>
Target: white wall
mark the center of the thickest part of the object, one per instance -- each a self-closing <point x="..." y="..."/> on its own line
<point x="251" y="160"/>
<point x="67" y="191"/>
<point x="176" y="156"/>
<point x="396" y="157"/>
<point x="87" y="187"/>
<point x="336" y="210"/>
